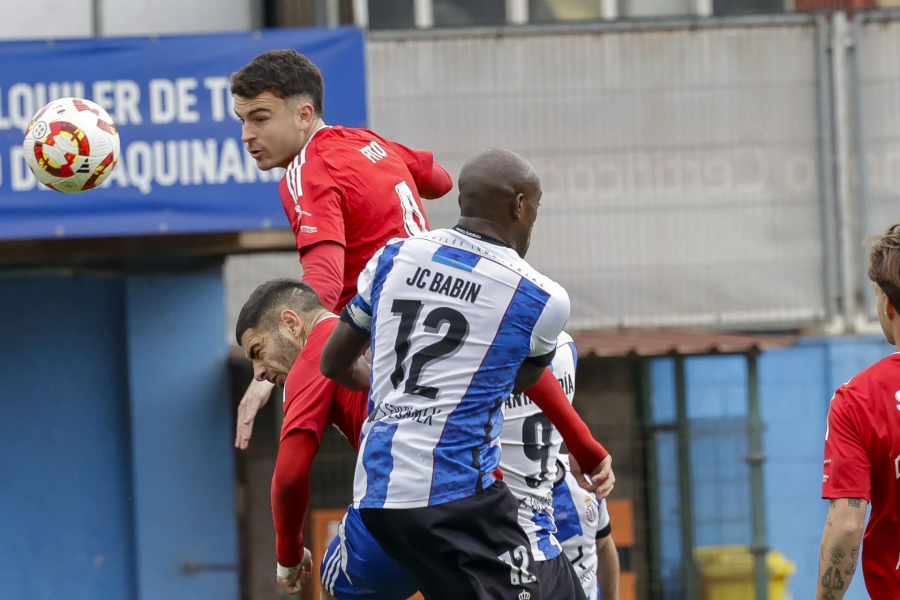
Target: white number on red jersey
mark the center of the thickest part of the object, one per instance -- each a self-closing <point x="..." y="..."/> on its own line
<point x="413" y="219"/>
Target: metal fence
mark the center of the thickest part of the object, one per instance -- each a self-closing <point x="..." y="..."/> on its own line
<point x="679" y="167"/>
<point x="719" y="173"/>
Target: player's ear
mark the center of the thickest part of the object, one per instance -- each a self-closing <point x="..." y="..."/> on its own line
<point x="889" y="309"/>
<point x="291" y="320"/>
<point x="517" y="206"/>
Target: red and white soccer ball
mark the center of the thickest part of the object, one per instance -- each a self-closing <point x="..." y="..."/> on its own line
<point x="71" y="145"/>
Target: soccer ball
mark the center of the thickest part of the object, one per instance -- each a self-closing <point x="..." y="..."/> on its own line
<point x="71" y="145"/>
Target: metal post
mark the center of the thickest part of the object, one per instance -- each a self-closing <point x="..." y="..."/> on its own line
<point x="703" y="8"/>
<point x="517" y="12"/>
<point x="361" y="13"/>
<point x="866" y="294"/>
<point x="840" y="41"/>
<point x="609" y="9"/>
<point x="685" y="482"/>
<point x="652" y="478"/>
<point x="424" y="13"/>
<point x="826" y="169"/>
<point x="96" y="18"/>
<point x="332" y="13"/>
<point x="760" y="545"/>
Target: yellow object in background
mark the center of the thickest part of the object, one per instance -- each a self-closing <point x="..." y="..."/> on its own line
<point x="726" y="573"/>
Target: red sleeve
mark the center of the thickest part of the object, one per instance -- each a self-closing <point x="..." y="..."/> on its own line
<point x="290" y="495"/>
<point x="323" y="269"/>
<point x="307" y="399"/>
<point x="847" y="470"/>
<point x="551" y="399"/>
<point x="313" y="202"/>
<point x="431" y="179"/>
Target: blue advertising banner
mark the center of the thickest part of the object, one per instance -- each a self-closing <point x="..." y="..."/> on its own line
<point x="183" y="167"/>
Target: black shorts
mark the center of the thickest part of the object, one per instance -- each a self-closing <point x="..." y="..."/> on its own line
<point x="468" y="549"/>
<point x="558" y="579"/>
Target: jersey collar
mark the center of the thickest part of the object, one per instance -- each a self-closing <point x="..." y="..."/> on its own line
<point x="480" y="237"/>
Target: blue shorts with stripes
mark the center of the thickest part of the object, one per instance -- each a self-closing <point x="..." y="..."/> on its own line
<point x="356" y="568"/>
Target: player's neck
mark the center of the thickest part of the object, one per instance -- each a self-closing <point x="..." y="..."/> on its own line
<point x="486" y="228"/>
<point x="310" y="323"/>
<point x="315" y="126"/>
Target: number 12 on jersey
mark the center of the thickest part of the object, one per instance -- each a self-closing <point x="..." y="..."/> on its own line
<point x="457" y="331"/>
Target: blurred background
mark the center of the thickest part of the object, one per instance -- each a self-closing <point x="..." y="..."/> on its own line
<point x="710" y="169"/>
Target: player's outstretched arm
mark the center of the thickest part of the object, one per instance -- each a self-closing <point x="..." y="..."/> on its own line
<point x="608" y="568"/>
<point x="256" y="396"/>
<point x="342" y="359"/>
<point x="839" y="553"/>
<point x="584" y="450"/>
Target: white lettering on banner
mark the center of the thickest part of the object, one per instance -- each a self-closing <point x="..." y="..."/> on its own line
<point x="21" y="178"/>
<point x="138" y="159"/>
<point x="128" y="97"/>
<point x="187" y="99"/>
<point x="102" y="95"/>
<point x="162" y="101"/>
<point x="230" y="164"/>
<point x="217" y="87"/>
<point x="204" y="159"/>
<point x="165" y="155"/>
<point x="144" y="164"/>
<point x="21" y="105"/>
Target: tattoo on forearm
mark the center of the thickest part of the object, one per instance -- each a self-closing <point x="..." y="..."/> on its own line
<point x="831" y="580"/>
<point x="828" y="595"/>
<point x="837" y="555"/>
<point x="854" y="558"/>
<point x="854" y="502"/>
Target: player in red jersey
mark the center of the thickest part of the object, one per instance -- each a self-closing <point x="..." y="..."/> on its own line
<point x="862" y="454"/>
<point x="346" y="191"/>
<point x="283" y="328"/>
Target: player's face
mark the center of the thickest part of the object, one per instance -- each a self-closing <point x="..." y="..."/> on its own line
<point x="272" y="129"/>
<point x="271" y="352"/>
<point x="884" y="308"/>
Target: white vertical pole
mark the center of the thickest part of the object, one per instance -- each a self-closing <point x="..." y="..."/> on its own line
<point x="424" y="11"/>
<point x="517" y="12"/>
<point x="361" y="13"/>
<point x="332" y="13"/>
<point x="703" y="8"/>
<point x="609" y="9"/>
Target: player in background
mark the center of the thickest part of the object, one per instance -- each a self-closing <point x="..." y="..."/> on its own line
<point x="345" y="192"/>
<point x="456" y="320"/>
<point x="862" y="454"/>
<point x="530" y="447"/>
<point x="585" y="532"/>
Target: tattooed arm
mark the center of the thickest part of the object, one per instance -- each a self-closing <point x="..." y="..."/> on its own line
<point x="840" y="547"/>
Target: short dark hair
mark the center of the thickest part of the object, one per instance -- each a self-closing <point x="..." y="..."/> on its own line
<point x="274" y="296"/>
<point x="884" y="263"/>
<point x="284" y="73"/>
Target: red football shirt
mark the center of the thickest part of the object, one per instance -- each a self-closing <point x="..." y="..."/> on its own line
<point x="355" y="188"/>
<point x="313" y="402"/>
<point x="862" y="460"/>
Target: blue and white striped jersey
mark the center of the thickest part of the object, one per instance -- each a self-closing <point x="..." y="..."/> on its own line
<point x="530" y="447"/>
<point x="453" y="315"/>
<point x="580" y="522"/>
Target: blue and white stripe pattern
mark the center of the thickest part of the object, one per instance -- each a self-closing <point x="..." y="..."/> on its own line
<point x="452" y="319"/>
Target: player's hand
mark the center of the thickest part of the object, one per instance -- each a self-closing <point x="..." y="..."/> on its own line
<point x="601" y="481"/>
<point x="296" y="579"/>
<point x="256" y="396"/>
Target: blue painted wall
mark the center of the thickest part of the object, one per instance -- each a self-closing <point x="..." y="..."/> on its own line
<point x="65" y="469"/>
<point x="181" y="436"/>
<point x="796" y="385"/>
<point x="115" y="438"/>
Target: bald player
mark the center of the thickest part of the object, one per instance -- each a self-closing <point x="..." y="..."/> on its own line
<point x="457" y="320"/>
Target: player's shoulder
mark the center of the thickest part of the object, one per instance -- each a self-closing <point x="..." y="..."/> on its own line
<point x="883" y="374"/>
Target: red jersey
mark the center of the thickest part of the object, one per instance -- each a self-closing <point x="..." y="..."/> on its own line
<point x="313" y="402"/>
<point x="862" y="460"/>
<point x="355" y="188"/>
